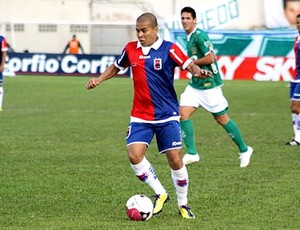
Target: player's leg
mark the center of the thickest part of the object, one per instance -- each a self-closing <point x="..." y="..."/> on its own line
<point x="214" y="101"/>
<point x="1" y="91"/>
<point x="232" y="130"/>
<point x="169" y="142"/>
<point x="295" y="110"/>
<point x="188" y="135"/>
<point x="234" y="133"/>
<point x="180" y="180"/>
<point x="138" y="139"/>
<point x="188" y="106"/>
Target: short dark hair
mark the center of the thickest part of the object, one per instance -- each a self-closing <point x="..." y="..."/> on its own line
<point x="148" y="17"/>
<point x="284" y="2"/>
<point x="190" y="10"/>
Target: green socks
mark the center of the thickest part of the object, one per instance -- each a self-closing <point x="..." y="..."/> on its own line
<point x="234" y="133"/>
<point x="187" y="131"/>
<point x="231" y="128"/>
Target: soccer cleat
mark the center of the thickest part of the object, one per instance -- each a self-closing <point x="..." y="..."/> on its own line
<point x="159" y="202"/>
<point x="186" y="212"/>
<point x="189" y="158"/>
<point x="245" y="157"/>
<point x="292" y="142"/>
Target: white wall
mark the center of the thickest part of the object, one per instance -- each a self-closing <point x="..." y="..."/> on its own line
<point x="86" y="13"/>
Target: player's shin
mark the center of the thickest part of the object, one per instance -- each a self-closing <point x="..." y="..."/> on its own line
<point x="296" y="126"/>
<point x="146" y="173"/>
<point x="180" y="181"/>
<point x="188" y="136"/>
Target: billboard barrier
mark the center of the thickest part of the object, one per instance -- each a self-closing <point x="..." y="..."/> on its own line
<point x="252" y="68"/>
<point x="268" y="68"/>
<point x="59" y="64"/>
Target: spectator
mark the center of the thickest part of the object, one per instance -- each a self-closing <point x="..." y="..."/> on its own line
<point x="73" y="45"/>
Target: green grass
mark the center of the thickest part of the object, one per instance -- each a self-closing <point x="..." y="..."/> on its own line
<point x="64" y="164"/>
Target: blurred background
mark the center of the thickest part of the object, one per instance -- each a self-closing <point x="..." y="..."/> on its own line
<point x="239" y="28"/>
<point x="104" y="26"/>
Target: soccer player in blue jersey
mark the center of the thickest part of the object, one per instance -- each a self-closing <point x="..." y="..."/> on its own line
<point x="295" y="91"/>
<point x="155" y="109"/>
<point x="206" y="93"/>
<point x="3" y="53"/>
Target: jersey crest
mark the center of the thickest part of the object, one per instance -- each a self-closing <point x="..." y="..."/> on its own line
<point x="157" y="63"/>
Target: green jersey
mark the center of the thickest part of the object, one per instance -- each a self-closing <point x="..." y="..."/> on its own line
<point x="199" y="45"/>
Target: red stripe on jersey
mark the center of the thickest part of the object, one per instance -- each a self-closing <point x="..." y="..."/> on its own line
<point x="142" y="102"/>
<point x="177" y="55"/>
<point x="4" y="45"/>
<point x="153" y="77"/>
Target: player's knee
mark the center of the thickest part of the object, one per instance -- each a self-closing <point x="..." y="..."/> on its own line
<point x="184" y="115"/>
<point x="222" y="119"/>
<point x="186" y="112"/>
<point x="135" y="158"/>
<point x="175" y="161"/>
<point x="295" y="108"/>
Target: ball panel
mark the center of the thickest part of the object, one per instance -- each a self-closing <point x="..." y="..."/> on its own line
<point x="141" y="204"/>
<point x="134" y="214"/>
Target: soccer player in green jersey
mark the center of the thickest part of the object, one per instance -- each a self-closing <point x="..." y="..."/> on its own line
<point x="206" y="93"/>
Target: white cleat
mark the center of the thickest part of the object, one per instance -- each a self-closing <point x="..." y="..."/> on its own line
<point x="292" y="142"/>
<point x="245" y="157"/>
<point x="189" y="159"/>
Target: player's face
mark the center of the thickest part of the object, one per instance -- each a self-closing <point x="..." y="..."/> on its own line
<point x="188" y="22"/>
<point x="146" y="33"/>
<point x="298" y="24"/>
<point x="291" y="11"/>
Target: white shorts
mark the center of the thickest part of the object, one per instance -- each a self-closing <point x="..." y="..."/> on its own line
<point x="212" y="100"/>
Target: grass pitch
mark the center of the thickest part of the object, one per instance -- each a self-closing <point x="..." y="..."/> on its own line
<point x="64" y="163"/>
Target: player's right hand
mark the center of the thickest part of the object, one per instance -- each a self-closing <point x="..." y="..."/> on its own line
<point x="93" y="83"/>
<point x="206" y="73"/>
<point x="203" y="74"/>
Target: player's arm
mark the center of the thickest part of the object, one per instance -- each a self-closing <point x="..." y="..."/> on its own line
<point x="197" y="71"/>
<point x="206" y="60"/>
<point x="186" y="63"/>
<point x="66" y="48"/>
<point x="3" y="61"/>
<point x="110" y="72"/>
<point x="206" y="47"/>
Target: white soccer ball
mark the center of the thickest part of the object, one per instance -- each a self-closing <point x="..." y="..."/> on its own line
<point x="139" y="207"/>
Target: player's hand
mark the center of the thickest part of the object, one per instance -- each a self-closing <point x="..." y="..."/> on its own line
<point x="93" y="83"/>
<point x="203" y="74"/>
<point x="198" y="72"/>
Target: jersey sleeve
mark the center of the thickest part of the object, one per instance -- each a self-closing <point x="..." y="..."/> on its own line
<point x="122" y="62"/>
<point x="204" y="43"/>
<point x="4" y="46"/>
<point x="179" y="57"/>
